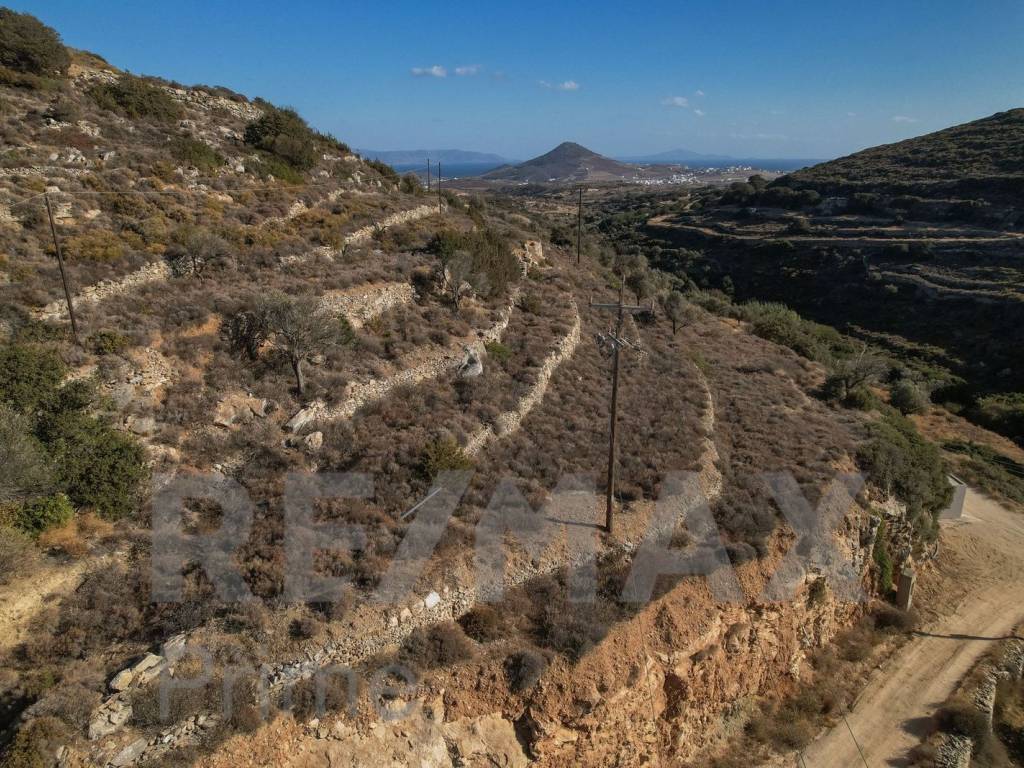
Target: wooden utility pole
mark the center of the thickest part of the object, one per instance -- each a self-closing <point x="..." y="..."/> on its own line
<point x="63" y="272"/>
<point x="428" y="174"/>
<point x="616" y="342"/>
<point x="579" y="228"/>
<point x="439" y="187"/>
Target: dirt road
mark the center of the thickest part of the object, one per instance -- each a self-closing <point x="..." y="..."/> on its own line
<point x="984" y="556"/>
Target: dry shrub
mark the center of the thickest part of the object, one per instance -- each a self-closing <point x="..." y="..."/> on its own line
<point x="963" y="718"/>
<point x="441" y="645"/>
<point x="321" y="694"/>
<point x="890" y="618"/>
<point x="483" y="624"/>
<point x="65" y="538"/>
<point x="524" y="668"/>
<point x="18" y="556"/>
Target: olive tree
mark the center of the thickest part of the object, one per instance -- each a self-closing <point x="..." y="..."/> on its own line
<point x="302" y="327"/>
<point x="677" y="310"/>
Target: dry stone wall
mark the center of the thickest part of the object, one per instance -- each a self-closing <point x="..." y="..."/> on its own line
<point x="508" y="422"/>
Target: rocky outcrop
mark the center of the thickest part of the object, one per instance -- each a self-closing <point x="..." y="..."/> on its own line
<point x="239" y="408"/>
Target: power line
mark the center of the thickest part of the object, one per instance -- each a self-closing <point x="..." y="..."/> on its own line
<point x="856" y="743"/>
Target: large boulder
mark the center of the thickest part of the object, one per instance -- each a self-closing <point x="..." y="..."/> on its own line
<point x="472" y="365"/>
<point x="238" y="408"/>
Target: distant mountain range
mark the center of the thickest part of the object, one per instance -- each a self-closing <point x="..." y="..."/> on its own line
<point x="567" y="162"/>
<point x="412" y="156"/>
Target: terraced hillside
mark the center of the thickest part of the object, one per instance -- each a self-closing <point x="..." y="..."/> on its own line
<point x="914" y="247"/>
<point x="259" y="307"/>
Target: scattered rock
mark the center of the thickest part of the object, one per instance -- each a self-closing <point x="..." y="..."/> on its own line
<point x="471" y="365"/>
<point x="237" y="408"/>
<point x="313" y="442"/>
<point x="144" y="426"/>
<point x="130" y="754"/>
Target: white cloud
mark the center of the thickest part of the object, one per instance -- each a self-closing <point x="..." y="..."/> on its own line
<point x="903" y="119"/>
<point x="699" y="93"/>
<point x="699" y="112"/>
<point x="676" y="101"/>
<point x="435" y="71"/>
<point x="568" y="85"/>
<point x="468" y="70"/>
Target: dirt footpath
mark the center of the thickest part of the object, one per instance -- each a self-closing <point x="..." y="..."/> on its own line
<point x="982" y="572"/>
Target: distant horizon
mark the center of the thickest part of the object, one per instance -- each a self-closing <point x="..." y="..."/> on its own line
<point x="751" y="81"/>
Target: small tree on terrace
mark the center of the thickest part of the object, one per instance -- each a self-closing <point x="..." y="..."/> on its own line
<point x="457" y="274"/>
<point x="851" y="374"/>
<point x="677" y="310"/>
<point x="301" y="327"/>
<point x="195" y="249"/>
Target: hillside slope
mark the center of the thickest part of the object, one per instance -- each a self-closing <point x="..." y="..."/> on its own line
<point x="981" y="160"/>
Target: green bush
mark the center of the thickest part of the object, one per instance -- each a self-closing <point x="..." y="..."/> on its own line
<point x="497" y="351"/>
<point x="779" y="323"/>
<point x="285" y="135"/>
<point x="97" y="466"/>
<point x="96" y="245"/>
<point x="27" y="45"/>
<point x="411" y="184"/>
<point x="1003" y="414"/>
<point x="443" y="455"/>
<point x="899" y="461"/>
<point x="907" y="398"/>
<point x="107" y="342"/>
<point x="135" y="98"/>
<point x="197" y="154"/>
<point x="384" y="170"/>
<point x="29" y="375"/>
<point x="34" y="517"/>
<point x="36" y="743"/>
<point x="484" y="259"/>
<point x="268" y="165"/>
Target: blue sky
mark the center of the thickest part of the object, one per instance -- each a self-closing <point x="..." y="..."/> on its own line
<point x="771" y="78"/>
